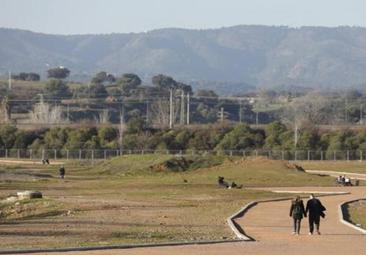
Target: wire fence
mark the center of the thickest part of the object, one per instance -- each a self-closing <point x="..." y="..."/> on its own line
<point x="82" y="154"/>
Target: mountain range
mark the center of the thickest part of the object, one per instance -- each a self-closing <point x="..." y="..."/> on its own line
<point x="237" y="58"/>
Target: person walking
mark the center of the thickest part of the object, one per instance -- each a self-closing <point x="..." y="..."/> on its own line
<point x="297" y="212"/>
<point x="62" y="172"/>
<point x="314" y="209"/>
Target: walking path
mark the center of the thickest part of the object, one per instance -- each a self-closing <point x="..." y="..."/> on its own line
<point x="269" y="224"/>
<point x="336" y="174"/>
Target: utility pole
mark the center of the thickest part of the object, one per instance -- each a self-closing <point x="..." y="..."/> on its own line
<point x="188" y="101"/>
<point x="171" y="109"/>
<point x="182" y="108"/>
<point x="9" y="81"/>
<point x="361" y="114"/>
<point x="222" y="115"/>
<point x="346" y="110"/>
<point x="147" y="112"/>
<point x="121" y="126"/>
<point x="240" y="111"/>
<point x="68" y="112"/>
<point x="296" y="135"/>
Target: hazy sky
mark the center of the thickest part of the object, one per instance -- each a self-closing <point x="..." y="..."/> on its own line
<point x="107" y="16"/>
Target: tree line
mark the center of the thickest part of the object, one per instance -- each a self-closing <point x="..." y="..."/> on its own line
<point x="136" y="136"/>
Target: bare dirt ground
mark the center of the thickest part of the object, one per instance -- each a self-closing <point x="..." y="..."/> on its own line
<point x="271" y="226"/>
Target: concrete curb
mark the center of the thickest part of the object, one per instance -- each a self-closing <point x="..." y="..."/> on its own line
<point x="114" y="247"/>
<point x="239" y="231"/>
<point x="342" y="209"/>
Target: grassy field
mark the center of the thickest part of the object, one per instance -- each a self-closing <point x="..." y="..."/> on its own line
<point x="341" y="166"/>
<point x="135" y="199"/>
<point x="357" y="213"/>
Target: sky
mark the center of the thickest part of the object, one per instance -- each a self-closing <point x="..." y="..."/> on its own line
<point x="125" y="16"/>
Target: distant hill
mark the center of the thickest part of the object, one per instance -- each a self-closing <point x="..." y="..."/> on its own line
<point x="236" y="57"/>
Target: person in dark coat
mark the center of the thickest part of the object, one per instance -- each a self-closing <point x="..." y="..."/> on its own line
<point x="297" y="212"/>
<point x="315" y="209"/>
<point x="62" y="172"/>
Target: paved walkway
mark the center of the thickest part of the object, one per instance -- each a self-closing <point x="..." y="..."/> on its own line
<point x="336" y="174"/>
<point x="271" y="226"/>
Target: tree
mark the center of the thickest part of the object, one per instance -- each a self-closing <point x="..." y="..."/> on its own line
<point x="240" y="138"/>
<point x="8" y="136"/>
<point x="57" y="89"/>
<point x="128" y="83"/>
<point x="274" y="132"/>
<point x="107" y="134"/>
<point x="206" y="93"/>
<point x="58" y="72"/>
<point x="186" y="88"/>
<point x="56" y="138"/>
<point x="164" y="82"/>
<point x="135" y="125"/>
<point x="103" y="77"/>
<point x="97" y="90"/>
<point x="27" y="77"/>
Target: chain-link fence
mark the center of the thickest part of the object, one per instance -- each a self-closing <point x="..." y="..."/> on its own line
<point x="107" y="154"/>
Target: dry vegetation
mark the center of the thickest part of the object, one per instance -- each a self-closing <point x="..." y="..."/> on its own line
<point x="357" y="213"/>
<point x="126" y="200"/>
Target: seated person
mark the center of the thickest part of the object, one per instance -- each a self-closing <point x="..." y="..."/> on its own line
<point x="339" y="179"/>
<point x="222" y="183"/>
<point x="347" y="181"/>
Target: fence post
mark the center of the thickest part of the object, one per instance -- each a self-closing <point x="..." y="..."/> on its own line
<point x="269" y="154"/>
<point x="18" y="153"/>
<point x="105" y="154"/>
<point x="142" y="152"/>
<point x="295" y="155"/>
<point x="244" y="154"/>
<point x="256" y="153"/>
<point x="67" y="154"/>
<point x="347" y="155"/>
<point x="321" y="155"/>
<point x="6" y="153"/>
<point x="55" y="153"/>
<point x="231" y="153"/>
<point x="361" y="156"/>
<point x="43" y="154"/>
<point x="30" y="154"/>
<point x="92" y="157"/>
<point x="283" y="155"/>
<point x="334" y="156"/>
<point x="308" y="155"/>
<point x="79" y="154"/>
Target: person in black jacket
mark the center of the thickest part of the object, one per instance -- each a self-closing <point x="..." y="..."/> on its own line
<point x="62" y="172"/>
<point x="315" y="209"/>
<point x="297" y="211"/>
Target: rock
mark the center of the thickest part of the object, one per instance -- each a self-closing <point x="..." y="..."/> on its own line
<point x="11" y="199"/>
<point x="29" y="194"/>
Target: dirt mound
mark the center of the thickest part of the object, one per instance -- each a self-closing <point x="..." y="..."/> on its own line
<point x="181" y="164"/>
<point x="294" y="167"/>
<point x="263" y="160"/>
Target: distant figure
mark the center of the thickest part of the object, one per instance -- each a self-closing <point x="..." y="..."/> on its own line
<point x="315" y="209"/>
<point x="340" y="179"/>
<point x="347" y="181"/>
<point x="62" y="172"/>
<point x="222" y="183"/>
<point x="45" y="161"/>
<point x="297" y="212"/>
